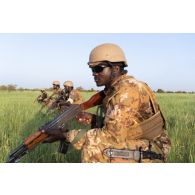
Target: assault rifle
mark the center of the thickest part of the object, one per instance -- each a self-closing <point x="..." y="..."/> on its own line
<point x="38" y="137"/>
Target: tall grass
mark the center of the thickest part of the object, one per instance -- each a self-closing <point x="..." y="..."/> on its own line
<point x="179" y="111"/>
<point x="20" y="116"/>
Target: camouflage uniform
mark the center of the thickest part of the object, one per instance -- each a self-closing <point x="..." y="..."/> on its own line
<point x="56" y="93"/>
<point x="42" y="98"/>
<point x="127" y="103"/>
<point x="64" y="95"/>
<point x="75" y="97"/>
<point x="53" y="97"/>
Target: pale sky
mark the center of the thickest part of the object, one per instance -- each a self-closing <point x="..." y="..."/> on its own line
<point x="165" y="61"/>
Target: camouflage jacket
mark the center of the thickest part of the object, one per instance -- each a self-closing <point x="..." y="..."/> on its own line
<point x="127" y="103"/>
<point x="55" y="94"/>
<point x="42" y="96"/>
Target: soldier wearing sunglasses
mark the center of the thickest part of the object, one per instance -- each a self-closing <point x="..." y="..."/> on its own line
<point x="133" y="128"/>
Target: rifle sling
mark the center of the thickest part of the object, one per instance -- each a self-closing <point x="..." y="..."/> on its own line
<point x="79" y="136"/>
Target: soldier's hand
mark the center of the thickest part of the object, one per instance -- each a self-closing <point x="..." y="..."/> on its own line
<point x="84" y="118"/>
<point x="50" y="139"/>
<point x="55" y="135"/>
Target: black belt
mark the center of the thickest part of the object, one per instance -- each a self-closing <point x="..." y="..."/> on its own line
<point x="137" y="155"/>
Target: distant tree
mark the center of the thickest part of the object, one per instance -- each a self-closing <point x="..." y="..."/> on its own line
<point x="160" y="91"/>
<point x="20" y="89"/>
<point x="92" y="90"/>
<point x="50" y="89"/>
<point x="169" y="92"/>
<point x="3" y="87"/>
<point x="35" y="89"/>
<point x="80" y="88"/>
<point x="11" y="87"/>
<point x="180" y="92"/>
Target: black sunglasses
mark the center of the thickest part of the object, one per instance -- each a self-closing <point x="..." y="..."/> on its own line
<point x="100" y="67"/>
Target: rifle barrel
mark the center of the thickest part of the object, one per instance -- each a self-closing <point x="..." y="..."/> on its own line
<point x="17" y="154"/>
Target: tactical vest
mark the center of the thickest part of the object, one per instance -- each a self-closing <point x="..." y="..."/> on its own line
<point x="151" y="127"/>
<point x="148" y="129"/>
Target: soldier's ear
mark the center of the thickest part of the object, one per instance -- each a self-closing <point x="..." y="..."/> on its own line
<point x="116" y="69"/>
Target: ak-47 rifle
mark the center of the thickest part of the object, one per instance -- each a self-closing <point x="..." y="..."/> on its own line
<point x="38" y="137"/>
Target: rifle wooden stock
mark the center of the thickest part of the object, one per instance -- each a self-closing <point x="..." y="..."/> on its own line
<point x="34" y="139"/>
<point x="38" y="137"/>
<point x="93" y="101"/>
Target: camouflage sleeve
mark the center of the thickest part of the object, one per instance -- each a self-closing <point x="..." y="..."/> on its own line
<point x="164" y="143"/>
<point x="122" y="112"/>
<point x="51" y="96"/>
<point x="91" y="137"/>
<point x="75" y="97"/>
<point x="38" y="97"/>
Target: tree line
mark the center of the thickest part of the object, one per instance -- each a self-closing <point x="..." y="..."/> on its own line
<point x="13" y="87"/>
<point x="180" y="91"/>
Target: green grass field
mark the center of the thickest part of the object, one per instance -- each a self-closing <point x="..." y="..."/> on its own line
<point x="19" y="117"/>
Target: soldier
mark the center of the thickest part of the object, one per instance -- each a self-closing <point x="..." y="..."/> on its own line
<point x="133" y="129"/>
<point x="54" y="96"/>
<point x="56" y="90"/>
<point x="42" y="98"/>
<point x="70" y="94"/>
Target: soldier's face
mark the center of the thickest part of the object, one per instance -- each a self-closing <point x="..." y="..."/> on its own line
<point x="56" y="86"/>
<point x="67" y="88"/>
<point x="101" y="74"/>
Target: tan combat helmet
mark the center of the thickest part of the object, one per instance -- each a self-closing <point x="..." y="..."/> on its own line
<point x="56" y="83"/>
<point x="107" y="52"/>
<point x="68" y="83"/>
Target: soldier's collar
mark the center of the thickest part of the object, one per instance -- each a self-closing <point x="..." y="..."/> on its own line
<point x="122" y="77"/>
<point x="118" y="80"/>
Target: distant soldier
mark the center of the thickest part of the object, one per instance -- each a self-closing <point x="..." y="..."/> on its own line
<point x="55" y="95"/>
<point x="69" y="95"/>
<point x="42" y="98"/>
<point x="56" y="90"/>
<point x="73" y="96"/>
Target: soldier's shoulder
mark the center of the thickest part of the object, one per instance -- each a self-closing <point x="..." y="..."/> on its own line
<point x="75" y="91"/>
<point x="129" y="83"/>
